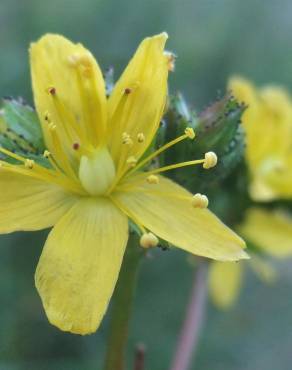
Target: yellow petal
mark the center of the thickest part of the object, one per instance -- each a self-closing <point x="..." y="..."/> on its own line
<point x="77" y="105"/>
<point x="166" y="210"/>
<point x="269" y="230"/>
<point x="263" y="269"/>
<point x="30" y="204"/>
<point x="225" y="280"/>
<point x="138" y="99"/>
<point x="80" y="263"/>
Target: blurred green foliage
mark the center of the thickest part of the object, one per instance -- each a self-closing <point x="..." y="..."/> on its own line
<point x="213" y="39"/>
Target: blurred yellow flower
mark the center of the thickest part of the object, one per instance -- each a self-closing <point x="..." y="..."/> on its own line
<point x="271" y="233"/>
<point x="268" y="125"/>
<point x="96" y="183"/>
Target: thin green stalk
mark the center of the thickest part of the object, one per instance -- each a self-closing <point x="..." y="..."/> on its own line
<point x="122" y="307"/>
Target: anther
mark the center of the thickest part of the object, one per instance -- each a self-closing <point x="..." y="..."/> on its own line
<point x="153" y="179"/>
<point x="46" y="154"/>
<point x="76" y="146"/>
<point x="210" y="160"/>
<point x="127" y="90"/>
<point x="170" y="60"/>
<point x="200" y="201"/>
<point x="51" y="90"/>
<point x="29" y="163"/>
<point x="126" y="139"/>
<point x="141" y="137"/>
<point x="190" y="133"/>
<point x="132" y="161"/>
<point x="148" y="240"/>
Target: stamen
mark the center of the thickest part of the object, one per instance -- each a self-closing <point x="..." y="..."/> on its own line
<point x="210" y="160"/>
<point x="131" y="161"/>
<point x="189" y="133"/>
<point x="126" y="139"/>
<point x="200" y="201"/>
<point x="153" y="179"/>
<point x="177" y="165"/>
<point x="46" y="154"/>
<point x="29" y="163"/>
<point x="141" y="137"/>
<point x="170" y="60"/>
<point x="148" y="240"/>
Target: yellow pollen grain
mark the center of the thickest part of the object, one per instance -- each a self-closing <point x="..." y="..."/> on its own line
<point x="153" y="179"/>
<point x="148" y="240"/>
<point x="200" y="201"/>
<point x="140" y="137"/>
<point x="132" y="161"/>
<point x="29" y="163"/>
<point x="190" y="133"/>
<point x="210" y="160"/>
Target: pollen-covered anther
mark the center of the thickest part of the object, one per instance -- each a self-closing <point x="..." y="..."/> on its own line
<point x="140" y="137"/>
<point x="29" y="163"/>
<point x="210" y="160"/>
<point x="51" y="90"/>
<point x="132" y="161"/>
<point x="190" y="133"/>
<point x="200" y="201"/>
<point x="46" y="154"/>
<point x="148" y="240"/>
<point x="153" y="179"/>
<point x="171" y="57"/>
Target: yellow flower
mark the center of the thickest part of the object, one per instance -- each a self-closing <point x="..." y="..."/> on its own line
<point x="268" y="125"/>
<point x="96" y="183"/>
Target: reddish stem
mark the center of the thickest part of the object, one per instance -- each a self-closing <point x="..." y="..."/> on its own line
<point x="190" y="332"/>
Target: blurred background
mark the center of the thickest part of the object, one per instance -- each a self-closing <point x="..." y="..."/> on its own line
<point x="213" y="39"/>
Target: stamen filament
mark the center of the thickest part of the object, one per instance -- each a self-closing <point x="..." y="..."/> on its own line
<point x="39" y="172"/>
<point x="177" y="165"/>
<point x="158" y="151"/>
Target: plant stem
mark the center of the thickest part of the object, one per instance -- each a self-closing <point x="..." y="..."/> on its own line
<point x="190" y="332"/>
<point x="122" y="307"/>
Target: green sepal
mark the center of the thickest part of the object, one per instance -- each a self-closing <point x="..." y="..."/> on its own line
<point x="20" y="131"/>
<point x="217" y="129"/>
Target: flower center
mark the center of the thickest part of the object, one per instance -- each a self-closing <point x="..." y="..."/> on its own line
<point x="97" y="171"/>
